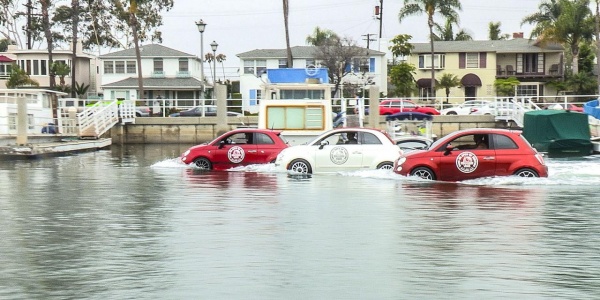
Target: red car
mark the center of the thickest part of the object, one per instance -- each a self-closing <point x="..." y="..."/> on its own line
<point x="392" y="106"/>
<point x="474" y="153"/>
<point x="238" y="147"/>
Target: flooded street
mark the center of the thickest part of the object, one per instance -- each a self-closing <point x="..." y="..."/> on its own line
<point x="133" y="223"/>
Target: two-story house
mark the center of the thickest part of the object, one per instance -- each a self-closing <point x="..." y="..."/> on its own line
<point x="479" y="63"/>
<point x="35" y="63"/>
<point x="254" y="63"/>
<point x="167" y="74"/>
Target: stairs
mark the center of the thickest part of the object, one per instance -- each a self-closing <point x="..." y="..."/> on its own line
<point x="97" y="119"/>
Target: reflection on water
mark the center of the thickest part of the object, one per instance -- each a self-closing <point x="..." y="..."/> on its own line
<point x="133" y="222"/>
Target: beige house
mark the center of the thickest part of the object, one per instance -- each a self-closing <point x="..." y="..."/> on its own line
<point x="479" y="63"/>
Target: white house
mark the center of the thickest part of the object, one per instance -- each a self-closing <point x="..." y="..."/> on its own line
<point x="254" y="63"/>
<point x="167" y="73"/>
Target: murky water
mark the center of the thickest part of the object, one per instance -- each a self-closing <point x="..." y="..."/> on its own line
<point x="132" y="223"/>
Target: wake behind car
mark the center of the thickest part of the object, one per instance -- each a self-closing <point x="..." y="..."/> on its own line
<point x="238" y="147"/>
<point x="343" y="149"/>
<point x="474" y="153"/>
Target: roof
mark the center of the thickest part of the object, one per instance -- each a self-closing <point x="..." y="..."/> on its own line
<point x="132" y="82"/>
<point x="297" y="52"/>
<point x="151" y="50"/>
<point x="498" y="46"/>
<point x="5" y="59"/>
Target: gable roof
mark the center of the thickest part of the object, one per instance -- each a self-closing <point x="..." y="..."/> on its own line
<point x="151" y="50"/>
<point x="297" y="52"/>
<point x="5" y="59"/>
<point x="172" y="83"/>
<point x="498" y="46"/>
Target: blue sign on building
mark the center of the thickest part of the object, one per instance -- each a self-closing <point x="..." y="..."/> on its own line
<point x="295" y="75"/>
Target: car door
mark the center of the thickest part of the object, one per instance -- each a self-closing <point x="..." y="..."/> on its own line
<point x="463" y="164"/>
<point x="235" y="151"/>
<point x="336" y="155"/>
<point x="371" y="148"/>
<point x="407" y="106"/>
<point x="507" y="152"/>
<point x="265" y="147"/>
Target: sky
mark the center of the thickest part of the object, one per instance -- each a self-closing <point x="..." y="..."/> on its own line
<point x="243" y="25"/>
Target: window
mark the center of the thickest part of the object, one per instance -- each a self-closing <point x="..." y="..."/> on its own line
<point x="302" y="94"/>
<point x="310" y="62"/>
<point x="370" y="139"/>
<point x="472" y="60"/>
<point x="131" y="66"/>
<point x="504" y="142"/>
<point x="530" y="63"/>
<point x="439" y="61"/>
<point x="36" y="67"/>
<point x="109" y="67"/>
<point x="12" y="121"/>
<point x="43" y="68"/>
<point x="525" y="90"/>
<point x="282" y="63"/>
<point x="296" y="117"/>
<point x="261" y="138"/>
<point x="183" y="65"/>
<point x="120" y="67"/>
<point x="158" y="65"/>
<point x="256" y="67"/>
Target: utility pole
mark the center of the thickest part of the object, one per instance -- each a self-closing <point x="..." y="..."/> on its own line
<point x="379" y="16"/>
<point x="367" y="37"/>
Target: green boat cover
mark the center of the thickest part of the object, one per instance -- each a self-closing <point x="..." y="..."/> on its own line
<point x="559" y="133"/>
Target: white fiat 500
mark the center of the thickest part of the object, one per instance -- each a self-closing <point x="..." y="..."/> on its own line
<point x="343" y="149"/>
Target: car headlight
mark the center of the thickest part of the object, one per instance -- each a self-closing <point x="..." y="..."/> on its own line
<point x="401" y="160"/>
<point x="186" y="152"/>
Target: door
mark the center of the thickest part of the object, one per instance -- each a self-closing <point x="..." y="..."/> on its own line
<point x="470" y="92"/>
<point x="235" y="152"/>
<point x="469" y="159"/>
<point x="339" y="154"/>
<point x="265" y="147"/>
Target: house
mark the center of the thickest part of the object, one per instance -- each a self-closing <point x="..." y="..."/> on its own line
<point x="35" y="63"/>
<point x="254" y="63"/>
<point x="167" y="73"/>
<point x="479" y="63"/>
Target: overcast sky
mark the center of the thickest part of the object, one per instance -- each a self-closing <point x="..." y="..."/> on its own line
<point x="243" y="25"/>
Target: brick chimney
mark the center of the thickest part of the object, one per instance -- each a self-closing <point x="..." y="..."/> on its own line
<point x="517" y="35"/>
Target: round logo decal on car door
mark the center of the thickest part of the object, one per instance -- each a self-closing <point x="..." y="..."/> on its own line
<point x="236" y="154"/>
<point x="467" y="162"/>
<point x="338" y="155"/>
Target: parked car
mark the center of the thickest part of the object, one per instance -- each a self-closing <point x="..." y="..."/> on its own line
<point x="496" y="109"/>
<point x="238" y="147"/>
<point x="342" y="149"/>
<point x="392" y="106"/>
<point x="209" y="111"/>
<point x="464" y="108"/>
<point x="474" y="153"/>
<point x="563" y="106"/>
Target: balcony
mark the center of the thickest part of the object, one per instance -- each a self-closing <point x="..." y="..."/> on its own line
<point x="183" y="74"/>
<point x="158" y="74"/>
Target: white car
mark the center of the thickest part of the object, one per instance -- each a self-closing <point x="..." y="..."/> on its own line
<point x="497" y="109"/>
<point x="464" y="108"/>
<point x="335" y="151"/>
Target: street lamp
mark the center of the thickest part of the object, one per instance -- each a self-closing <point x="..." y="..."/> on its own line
<point x="201" y="26"/>
<point x="214" y="46"/>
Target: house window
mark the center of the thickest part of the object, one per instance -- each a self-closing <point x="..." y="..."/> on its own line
<point x="472" y="60"/>
<point x="120" y="67"/>
<point x="158" y="65"/>
<point x="439" y="61"/>
<point x="302" y="94"/>
<point x="36" y="67"/>
<point x="296" y="117"/>
<point x="183" y="65"/>
<point x="12" y="121"/>
<point x="282" y="63"/>
<point x="310" y="62"/>
<point x="131" y="67"/>
<point x="109" y="67"/>
<point x="43" y="68"/>
<point x="256" y="67"/>
<point x="530" y="63"/>
<point x="527" y="90"/>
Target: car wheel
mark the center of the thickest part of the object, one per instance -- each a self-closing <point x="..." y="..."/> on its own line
<point x="526" y="172"/>
<point x="452" y="113"/>
<point x="300" y="166"/>
<point x="385" y="165"/>
<point x="424" y="173"/>
<point x="138" y="115"/>
<point x="203" y="163"/>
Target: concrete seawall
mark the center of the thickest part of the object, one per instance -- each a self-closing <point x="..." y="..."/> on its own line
<point x="195" y="130"/>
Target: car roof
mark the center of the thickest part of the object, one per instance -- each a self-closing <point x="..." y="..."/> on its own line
<point x="251" y="129"/>
<point x="485" y="130"/>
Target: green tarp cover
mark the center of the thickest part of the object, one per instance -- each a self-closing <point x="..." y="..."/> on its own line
<point x="558" y="132"/>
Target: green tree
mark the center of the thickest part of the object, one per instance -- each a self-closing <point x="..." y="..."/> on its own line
<point x="446" y="33"/>
<point x="402" y="78"/>
<point x="81" y="89"/>
<point x="586" y="58"/>
<point x="18" y="78"/>
<point x="320" y="36"/>
<point x="400" y="45"/>
<point x="448" y="81"/>
<point x="61" y="70"/>
<point x="445" y="8"/>
<point x="582" y="83"/>
<point x="567" y="22"/>
<point x="494" y="32"/>
<point x="506" y="86"/>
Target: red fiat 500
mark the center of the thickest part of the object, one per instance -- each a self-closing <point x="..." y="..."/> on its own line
<point x="238" y="147"/>
<point x="474" y="153"/>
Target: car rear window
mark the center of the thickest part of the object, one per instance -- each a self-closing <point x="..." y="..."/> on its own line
<point x="504" y="142"/>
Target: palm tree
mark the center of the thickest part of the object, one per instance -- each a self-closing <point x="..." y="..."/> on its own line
<point x="495" y="33"/>
<point x="221" y="58"/>
<point x="566" y="22"/>
<point x="446" y="33"/>
<point x="286" y="11"/>
<point x="49" y="38"/>
<point x="61" y="70"/>
<point x="133" y="23"/>
<point x="446" y="8"/>
<point x="319" y="37"/>
<point x="18" y="77"/>
<point x="75" y="18"/>
<point x="447" y="82"/>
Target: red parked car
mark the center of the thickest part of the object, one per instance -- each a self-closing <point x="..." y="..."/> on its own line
<point x="474" y="153"/>
<point x="238" y="147"/>
<point x="392" y="106"/>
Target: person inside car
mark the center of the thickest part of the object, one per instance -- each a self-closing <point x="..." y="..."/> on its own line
<point x="351" y="138"/>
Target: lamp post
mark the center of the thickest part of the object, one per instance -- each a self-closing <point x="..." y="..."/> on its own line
<point x="201" y="26"/>
<point x="214" y="46"/>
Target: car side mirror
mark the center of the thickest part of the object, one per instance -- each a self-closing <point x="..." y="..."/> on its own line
<point x="449" y="149"/>
<point x="323" y="144"/>
<point x="221" y="144"/>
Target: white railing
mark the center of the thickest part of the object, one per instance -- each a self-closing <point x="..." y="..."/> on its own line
<point x="97" y="119"/>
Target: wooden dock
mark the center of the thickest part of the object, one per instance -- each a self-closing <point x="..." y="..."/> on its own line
<point x="55" y="148"/>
